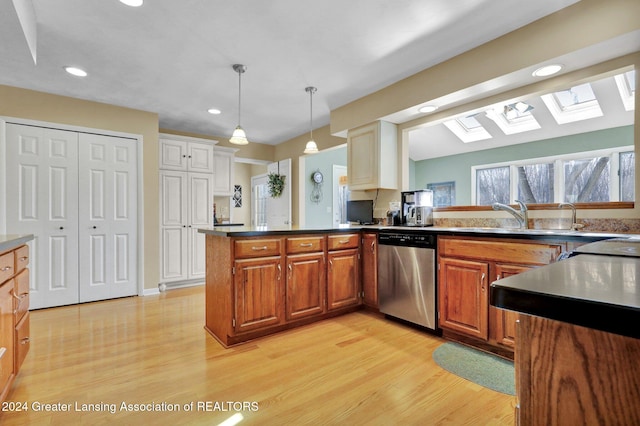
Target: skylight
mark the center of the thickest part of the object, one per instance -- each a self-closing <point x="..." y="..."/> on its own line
<point x="513" y="118"/>
<point x="574" y="104"/>
<point x="467" y="129"/>
<point x="627" y="87"/>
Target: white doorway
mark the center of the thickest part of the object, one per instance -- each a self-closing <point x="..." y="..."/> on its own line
<point x="279" y="209"/>
<point x="259" y="195"/>
<point x="340" y="195"/>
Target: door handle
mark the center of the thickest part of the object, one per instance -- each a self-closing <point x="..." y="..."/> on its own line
<point x="306" y="244"/>
<point x="279" y="272"/>
<point x="259" y="248"/>
<point x="482" y="281"/>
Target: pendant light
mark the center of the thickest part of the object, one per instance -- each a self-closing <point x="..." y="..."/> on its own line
<point x="239" y="137"/>
<point x="311" y="147"/>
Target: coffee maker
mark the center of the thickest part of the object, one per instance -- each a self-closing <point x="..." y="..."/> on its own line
<point x="417" y="207"/>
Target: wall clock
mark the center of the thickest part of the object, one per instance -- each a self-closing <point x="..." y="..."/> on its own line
<point x="316" y="194"/>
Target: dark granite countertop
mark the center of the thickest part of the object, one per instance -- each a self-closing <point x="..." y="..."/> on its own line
<point x="529" y="234"/>
<point x="11" y="241"/>
<point x="591" y="290"/>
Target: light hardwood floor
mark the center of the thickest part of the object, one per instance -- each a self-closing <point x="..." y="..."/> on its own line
<point x="358" y="369"/>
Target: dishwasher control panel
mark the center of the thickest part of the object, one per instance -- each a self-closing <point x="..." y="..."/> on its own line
<point x="407" y="239"/>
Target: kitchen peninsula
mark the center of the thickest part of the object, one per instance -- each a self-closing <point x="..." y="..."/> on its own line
<point x="260" y="281"/>
<point x="578" y="339"/>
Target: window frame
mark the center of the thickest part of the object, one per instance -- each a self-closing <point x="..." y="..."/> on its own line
<point x="557" y="160"/>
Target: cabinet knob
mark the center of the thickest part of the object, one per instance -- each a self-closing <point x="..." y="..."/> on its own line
<point x="6" y="268"/>
<point x="61" y="228"/>
<point x="94" y="227"/>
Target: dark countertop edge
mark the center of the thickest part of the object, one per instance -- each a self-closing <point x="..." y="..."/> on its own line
<point x="499" y="233"/>
<point x="601" y="316"/>
<point x="11" y="241"/>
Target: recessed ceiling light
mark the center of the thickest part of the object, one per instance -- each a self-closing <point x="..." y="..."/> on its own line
<point x="427" y="108"/>
<point x="78" y="72"/>
<point x="214" y="111"/>
<point x="132" y="3"/>
<point x="547" y="70"/>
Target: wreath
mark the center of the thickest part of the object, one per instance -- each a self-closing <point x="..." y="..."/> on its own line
<point x="275" y="183"/>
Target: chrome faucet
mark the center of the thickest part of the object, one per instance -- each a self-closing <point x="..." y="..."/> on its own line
<point x="521" y="216"/>
<point x="574" y="221"/>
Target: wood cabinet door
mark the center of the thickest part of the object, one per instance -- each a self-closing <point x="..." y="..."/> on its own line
<point x="370" y="270"/>
<point x="305" y="285"/>
<point x="504" y="330"/>
<point x="6" y="337"/>
<point x="258" y="293"/>
<point x="464" y="297"/>
<point x="343" y="281"/>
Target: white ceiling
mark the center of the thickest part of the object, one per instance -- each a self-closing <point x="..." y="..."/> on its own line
<point x="175" y="57"/>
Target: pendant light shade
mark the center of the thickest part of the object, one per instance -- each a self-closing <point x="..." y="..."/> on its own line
<point x="311" y="147"/>
<point x="239" y="137"/>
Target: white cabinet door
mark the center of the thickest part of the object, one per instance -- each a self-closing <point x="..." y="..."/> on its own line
<point x="42" y="199"/>
<point x="200" y="158"/>
<point x="173" y="155"/>
<point x="200" y="206"/>
<point x="224" y="173"/>
<point x="107" y="217"/>
<point x="173" y="220"/>
<point x="187" y="204"/>
<point x="186" y="156"/>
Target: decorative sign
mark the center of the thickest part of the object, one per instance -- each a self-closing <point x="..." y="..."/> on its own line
<point x="237" y="195"/>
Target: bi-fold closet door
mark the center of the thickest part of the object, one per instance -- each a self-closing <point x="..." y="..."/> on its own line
<point x="77" y="193"/>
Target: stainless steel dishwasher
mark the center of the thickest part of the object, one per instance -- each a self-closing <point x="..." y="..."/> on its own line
<point x="406" y="277"/>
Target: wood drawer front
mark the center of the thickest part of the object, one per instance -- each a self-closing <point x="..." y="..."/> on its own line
<point x="21" y="298"/>
<point x="258" y="248"/>
<point x="510" y="252"/>
<point x="22" y="258"/>
<point x="342" y="241"/>
<point x="305" y="244"/>
<point x="23" y="341"/>
<point x="7" y="266"/>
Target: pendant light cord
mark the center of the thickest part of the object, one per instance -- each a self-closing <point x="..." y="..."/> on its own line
<point x="239" y="95"/>
<point x="311" y="113"/>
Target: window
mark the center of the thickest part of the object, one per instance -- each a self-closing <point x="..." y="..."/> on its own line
<point x="627" y="176"/>
<point x="492" y="185"/>
<point x="573" y="104"/>
<point x="467" y="129"/>
<point x="587" y="177"/>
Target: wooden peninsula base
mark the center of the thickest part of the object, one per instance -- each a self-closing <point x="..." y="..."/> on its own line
<point x="572" y="375"/>
<point x="260" y="285"/>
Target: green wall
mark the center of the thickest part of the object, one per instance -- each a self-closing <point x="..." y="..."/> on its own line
<point x="457" y="168"/>
<point x="320" y="214"/>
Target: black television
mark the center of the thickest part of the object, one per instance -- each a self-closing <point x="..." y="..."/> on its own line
<point x="360" y="211"/>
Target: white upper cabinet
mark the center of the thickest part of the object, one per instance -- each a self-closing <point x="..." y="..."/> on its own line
<point x="372" y="156"/>
<point x="224" y="174"/>
<point x="187" y="156"/>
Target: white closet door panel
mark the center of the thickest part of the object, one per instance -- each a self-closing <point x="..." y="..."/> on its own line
<point x="174" y="253"/>
<point x="27" y="193"/>
<point x="42" y="199"/>
<point x="108" y="212"/>
<point x="173" y="188"/>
